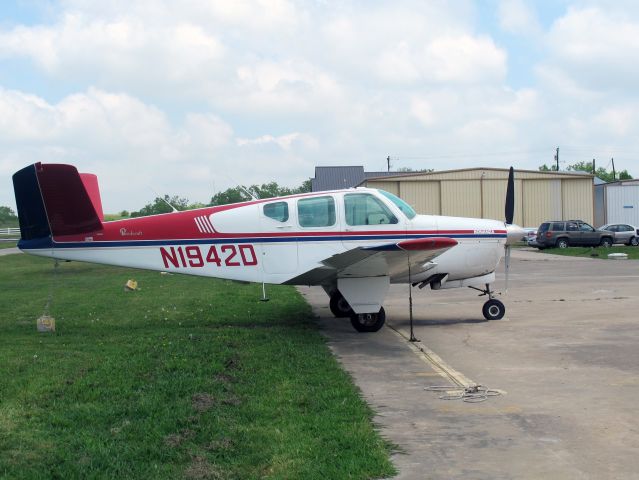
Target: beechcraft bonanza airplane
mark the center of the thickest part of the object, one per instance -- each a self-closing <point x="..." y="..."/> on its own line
<point x="354" y="243"/>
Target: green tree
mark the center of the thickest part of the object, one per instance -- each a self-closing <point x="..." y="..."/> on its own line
<point x="8" y="217"/>
<point x="242" y="193"/>
<point x="601" y="172"/>
<point x="159" y="205"/>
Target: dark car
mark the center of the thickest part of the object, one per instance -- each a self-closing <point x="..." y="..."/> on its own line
<point x="566" y="233"/>
<point x="623" y="233"/>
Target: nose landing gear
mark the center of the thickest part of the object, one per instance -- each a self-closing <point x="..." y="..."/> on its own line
<point x="493" y="309"/>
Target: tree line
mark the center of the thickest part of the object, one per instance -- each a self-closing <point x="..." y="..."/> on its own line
<point x="240" y="193"/>
<point x="601" y="172"/>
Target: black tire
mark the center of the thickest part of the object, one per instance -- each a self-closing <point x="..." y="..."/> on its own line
<point x="562" y="243"/>
<point x="633" y="241"/>
<point x="493" y="310"/>
<point x="368" y="322"/>
<point x="339" y="306"/>
<point x="606" y="242"/>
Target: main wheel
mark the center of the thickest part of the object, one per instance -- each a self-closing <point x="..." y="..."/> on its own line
<point x="634" y="241"/>
<point x="562" y="243"/>
<point x="493" y="310"/>
<point x="368" y="322"/>
<point x="339" y="306"/>
<point x="606" y="242"/>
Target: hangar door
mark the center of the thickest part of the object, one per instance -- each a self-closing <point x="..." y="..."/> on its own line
<point x="541" y="201"/>
<point x="622" y="204"/>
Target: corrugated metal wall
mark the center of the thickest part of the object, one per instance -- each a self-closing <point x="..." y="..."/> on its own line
<point x="622" y="204"/>
<point x="481" y="193"/>
<point x="461" y="198"/>
<point x="423" y="196"/>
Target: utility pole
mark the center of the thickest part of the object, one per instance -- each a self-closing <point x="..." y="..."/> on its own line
<point x="593" y="166"/>
<point x="613" y="169"/>
<point x="388" y="163"/>
<point x="557" y="160"/>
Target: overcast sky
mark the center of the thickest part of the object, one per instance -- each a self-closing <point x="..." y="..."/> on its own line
<point x="191" y="99"/>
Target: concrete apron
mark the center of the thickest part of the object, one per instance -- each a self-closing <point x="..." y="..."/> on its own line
<point x="563" y="360"/>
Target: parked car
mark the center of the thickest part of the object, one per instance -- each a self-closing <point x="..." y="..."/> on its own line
<point x="623" y="233"/>
<point x="566" y="233"/>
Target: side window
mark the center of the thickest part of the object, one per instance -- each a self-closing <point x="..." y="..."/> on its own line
<point x="571" y="227"/>
<point x="365" y="209"/>
<point x="558" y="227"/>
<point x="316" y="212"/>
<point x="277" y="211"/>
<point x="586" y="228"/>
<point x="626" y="228"/>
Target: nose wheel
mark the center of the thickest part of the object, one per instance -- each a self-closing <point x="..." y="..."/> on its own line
<point x="493" y="309"/>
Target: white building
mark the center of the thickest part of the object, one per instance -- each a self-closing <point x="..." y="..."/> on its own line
<point x="617" y="202"/>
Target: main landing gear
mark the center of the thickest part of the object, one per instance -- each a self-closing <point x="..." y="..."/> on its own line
<point x="368" y="322"/>
<point x="362" y="322"/>
<point x="339" y="306"/>
<point x="493" y="309"/>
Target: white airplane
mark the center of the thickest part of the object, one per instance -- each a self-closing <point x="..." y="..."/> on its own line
<point x="354" y="243"/>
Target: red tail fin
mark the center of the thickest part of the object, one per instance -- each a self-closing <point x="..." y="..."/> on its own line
<point x="52" y="200"/>
<point x="90" y="182"/>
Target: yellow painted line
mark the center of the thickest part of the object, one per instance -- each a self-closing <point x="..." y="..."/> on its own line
<point x="437" y="363"/>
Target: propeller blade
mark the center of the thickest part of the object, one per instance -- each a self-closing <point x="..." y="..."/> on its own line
<point x="507" y="264"/>
<point x="510" y="197"/>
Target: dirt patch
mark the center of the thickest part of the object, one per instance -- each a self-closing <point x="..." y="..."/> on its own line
<point x="201" y="402"/>
<point x="176" y="439"/>
<point x="224" y="378"/>
<point x="232" y="363"/>
<point x="201" y="468"/>
<point x="118" y="428"/>
<point x="221" y="444"/>
<point x="232" y="400"/>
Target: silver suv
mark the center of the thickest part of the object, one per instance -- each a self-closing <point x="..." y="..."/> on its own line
<point x="623" y="233"/>
<point x="567" y="233"/>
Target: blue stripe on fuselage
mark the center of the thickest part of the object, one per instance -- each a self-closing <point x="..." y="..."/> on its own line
<point x="47" y="242"/>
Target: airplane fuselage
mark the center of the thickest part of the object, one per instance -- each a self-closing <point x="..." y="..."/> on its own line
<point x="277" y="240"/>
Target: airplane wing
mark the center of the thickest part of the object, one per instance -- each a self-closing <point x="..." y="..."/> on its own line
<point x="391" y="260"/>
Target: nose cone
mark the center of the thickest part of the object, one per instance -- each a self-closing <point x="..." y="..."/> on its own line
<point x="515" y="234"/>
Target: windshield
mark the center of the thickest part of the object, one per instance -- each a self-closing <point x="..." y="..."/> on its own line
<point x="401" y="204"/>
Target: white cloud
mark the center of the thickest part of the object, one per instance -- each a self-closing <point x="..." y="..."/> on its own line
<point x="596" y="48"/>
<point x="517" y="17"/>
<point x="285" y="142"/>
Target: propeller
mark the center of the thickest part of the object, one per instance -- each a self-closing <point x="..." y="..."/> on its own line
<point x="510" y="197"/>
<point x="509" y="212"/>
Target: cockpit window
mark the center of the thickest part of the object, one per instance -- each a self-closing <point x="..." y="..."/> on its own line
<point x="316" y="211"/>
<point x="365" y="209"/>
<point x="277" y="211"/>
<point x="399" y="203"/>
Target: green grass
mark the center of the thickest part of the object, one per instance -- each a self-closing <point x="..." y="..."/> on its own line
<point x="186" y="378"/>
<point x="8" y="245"/>
<point x="597" y="252"/>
